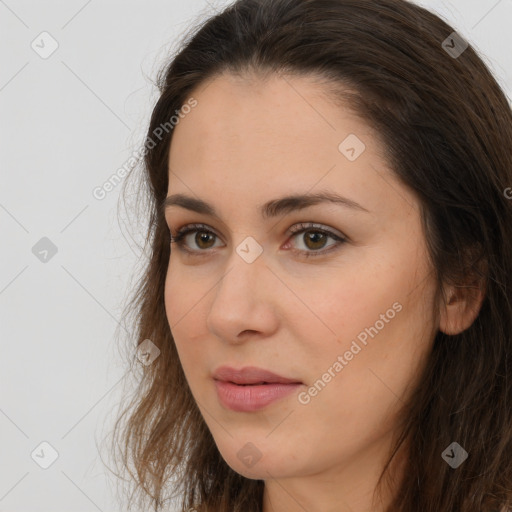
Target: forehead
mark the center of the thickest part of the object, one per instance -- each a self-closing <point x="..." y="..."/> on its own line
<point x="253" y="137"/>
<point x="279" y="117"/>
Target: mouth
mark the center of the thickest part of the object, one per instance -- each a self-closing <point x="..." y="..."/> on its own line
<point x="250" y="389"/>
<point x="251" y="384"/>
<point x="252" y="397"/>
<point x="251" y="376"/>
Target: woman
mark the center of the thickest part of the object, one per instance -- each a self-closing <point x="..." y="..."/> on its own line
<point x="375" y="375"/>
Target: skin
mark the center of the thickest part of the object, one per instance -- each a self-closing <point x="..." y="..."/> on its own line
<point x="249" y="141"/>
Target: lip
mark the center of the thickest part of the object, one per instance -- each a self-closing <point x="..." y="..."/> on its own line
<point x="250" y="375"/>
<point x="242" y="390"/>
<point x="253" y="397"/>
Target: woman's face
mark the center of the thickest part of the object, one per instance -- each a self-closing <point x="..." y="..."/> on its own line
<point x="350" y="321"/>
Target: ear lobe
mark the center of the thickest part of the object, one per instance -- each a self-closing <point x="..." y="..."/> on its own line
<point x="462" y="308"/>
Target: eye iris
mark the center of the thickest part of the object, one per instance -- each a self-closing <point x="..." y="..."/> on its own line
<point x="313" y="236"/>
<point x="202" y="236"/>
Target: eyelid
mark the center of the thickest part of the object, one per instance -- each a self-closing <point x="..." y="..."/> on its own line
<point x="304" y="226"/>
<point x="297" y="227"/>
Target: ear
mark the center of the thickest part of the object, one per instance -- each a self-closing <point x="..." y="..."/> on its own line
<point x="460" y="310"/>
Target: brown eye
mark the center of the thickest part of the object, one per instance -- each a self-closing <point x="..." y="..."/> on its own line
<point x="315" y="239"/>
<point x="202" y="237"/>
<point x="202" y="240"/>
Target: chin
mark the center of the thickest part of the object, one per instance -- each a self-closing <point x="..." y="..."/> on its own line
<point x="251" y="463"/>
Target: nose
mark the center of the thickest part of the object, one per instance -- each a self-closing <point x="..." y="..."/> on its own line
<point x="244" y="302"/>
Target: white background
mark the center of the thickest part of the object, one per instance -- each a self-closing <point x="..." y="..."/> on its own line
<point x="67" y="123"/>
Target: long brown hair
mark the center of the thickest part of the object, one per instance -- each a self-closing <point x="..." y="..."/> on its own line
<point x="447" y="128"/>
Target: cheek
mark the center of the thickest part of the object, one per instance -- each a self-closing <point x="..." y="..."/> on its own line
<point x="183" y="312"/>
<point x="379" y="322"/>
<point x="171" y="299"/>
<point x="184" y="293"/>
<point x="367" y="390"/>
<point x="342" y="304"/>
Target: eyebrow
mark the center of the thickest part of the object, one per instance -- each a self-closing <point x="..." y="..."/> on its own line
<point x="273" y="208"/>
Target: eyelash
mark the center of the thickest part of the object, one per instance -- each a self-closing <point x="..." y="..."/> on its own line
<point x="301" y="228"/>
